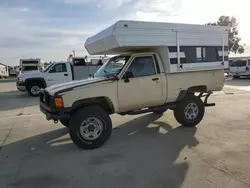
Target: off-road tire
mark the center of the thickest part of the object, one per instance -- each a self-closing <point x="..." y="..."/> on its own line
<point x="179" y="111"/>
<point x="32" y="84"/>
<point x="75" y="123"/>
<point x="65" y="122"/>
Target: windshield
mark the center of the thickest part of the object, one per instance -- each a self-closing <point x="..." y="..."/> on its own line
<point x="239" y="63"/>
<point x="112" y="67"/>
<point x="47" y="68"/>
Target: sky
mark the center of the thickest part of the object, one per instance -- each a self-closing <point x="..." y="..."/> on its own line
<point x="51" y="29"/>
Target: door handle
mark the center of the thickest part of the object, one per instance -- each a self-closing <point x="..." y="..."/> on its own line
<point x="65" y="74"/>
<point x="155" y="79"/>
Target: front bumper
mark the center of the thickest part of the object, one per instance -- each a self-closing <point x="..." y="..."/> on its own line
<point x="53" y="113"/>
<point x="21" y="86"/>
<point x="48" y="108"/>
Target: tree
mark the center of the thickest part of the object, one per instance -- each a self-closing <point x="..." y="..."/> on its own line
<point x="233" y="37"/>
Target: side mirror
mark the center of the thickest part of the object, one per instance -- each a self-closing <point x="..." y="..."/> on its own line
<point x="51" y="70"/>
<point x="127" y="75"/>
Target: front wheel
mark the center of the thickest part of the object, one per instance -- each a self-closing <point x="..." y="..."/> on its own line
<point x="90" y="127"/>
<point x="34" y="89"/>
<point x="190" y="111"/>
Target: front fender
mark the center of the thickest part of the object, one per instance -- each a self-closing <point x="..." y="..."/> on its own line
<point x="36" y="79"/>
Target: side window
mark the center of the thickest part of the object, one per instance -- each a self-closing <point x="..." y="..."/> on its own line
<point x="79" y="62"/>
<point x="142" y="66"/>
<point x="198" y="54"/>
<point x="211" y="54"/>
<point x="58" y="68"/>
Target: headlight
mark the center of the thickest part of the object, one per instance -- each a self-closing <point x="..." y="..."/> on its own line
<point x="20" y="79"/>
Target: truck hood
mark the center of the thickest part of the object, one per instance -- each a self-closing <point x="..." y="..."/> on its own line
<point x="35" y="74"/>
<point x="60" y="88"/>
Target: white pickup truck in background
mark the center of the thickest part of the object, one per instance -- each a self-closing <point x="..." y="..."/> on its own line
<point x="56" y="73"/>
<point x="161" y="66"/>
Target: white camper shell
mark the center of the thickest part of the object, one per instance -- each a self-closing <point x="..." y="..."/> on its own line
<point x="173" y="42"/>
<point x="31" y="65"/>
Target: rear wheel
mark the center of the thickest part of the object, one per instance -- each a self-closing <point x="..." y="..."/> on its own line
<point x="34" y="88"/>
<point x="90" y="127"/>
<point x="190" y="111"/>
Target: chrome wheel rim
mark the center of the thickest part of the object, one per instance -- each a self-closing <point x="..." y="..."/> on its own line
<point x="91" y="128"/>
<point x="35" y="90"/>
<point x="191" y="111"/>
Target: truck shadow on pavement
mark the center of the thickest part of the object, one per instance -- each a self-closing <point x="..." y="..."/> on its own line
<point x="144" y="152"/>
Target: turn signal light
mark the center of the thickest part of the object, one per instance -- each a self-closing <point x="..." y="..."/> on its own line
<point x="58" y="102"/>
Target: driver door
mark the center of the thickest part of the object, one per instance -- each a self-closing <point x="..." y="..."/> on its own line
<point x="58" y="74"/>
<point x="142" y="87"/>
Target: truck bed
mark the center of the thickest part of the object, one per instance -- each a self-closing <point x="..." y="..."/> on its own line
<point x="213" y="80"/>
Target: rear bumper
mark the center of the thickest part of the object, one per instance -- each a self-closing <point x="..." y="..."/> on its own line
<point x="54" y="113"/>
<point x="239" y="74"/>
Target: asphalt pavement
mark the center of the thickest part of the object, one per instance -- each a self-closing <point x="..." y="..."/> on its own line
<point x="149" y="151"/>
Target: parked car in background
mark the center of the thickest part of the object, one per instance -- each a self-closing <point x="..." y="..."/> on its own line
<point x="240" y="68"/>
<point x="55" y="73"/>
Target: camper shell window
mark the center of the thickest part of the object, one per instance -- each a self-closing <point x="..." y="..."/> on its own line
<point x="29" y="62"/>
<point x="196" y="54"/>
<point x="30" y="68"/>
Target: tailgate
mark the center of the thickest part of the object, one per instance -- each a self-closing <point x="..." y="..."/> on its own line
<point x="234" y="69"/>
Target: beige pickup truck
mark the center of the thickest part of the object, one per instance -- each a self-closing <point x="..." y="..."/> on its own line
<point x="139" y="80"/>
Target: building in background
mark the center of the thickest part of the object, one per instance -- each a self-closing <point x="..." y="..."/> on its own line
<point x="4" y="72"/>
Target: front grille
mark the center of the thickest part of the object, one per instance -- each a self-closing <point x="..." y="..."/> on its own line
<point x="42" y="98"/>
<point x="45" y="98"/>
